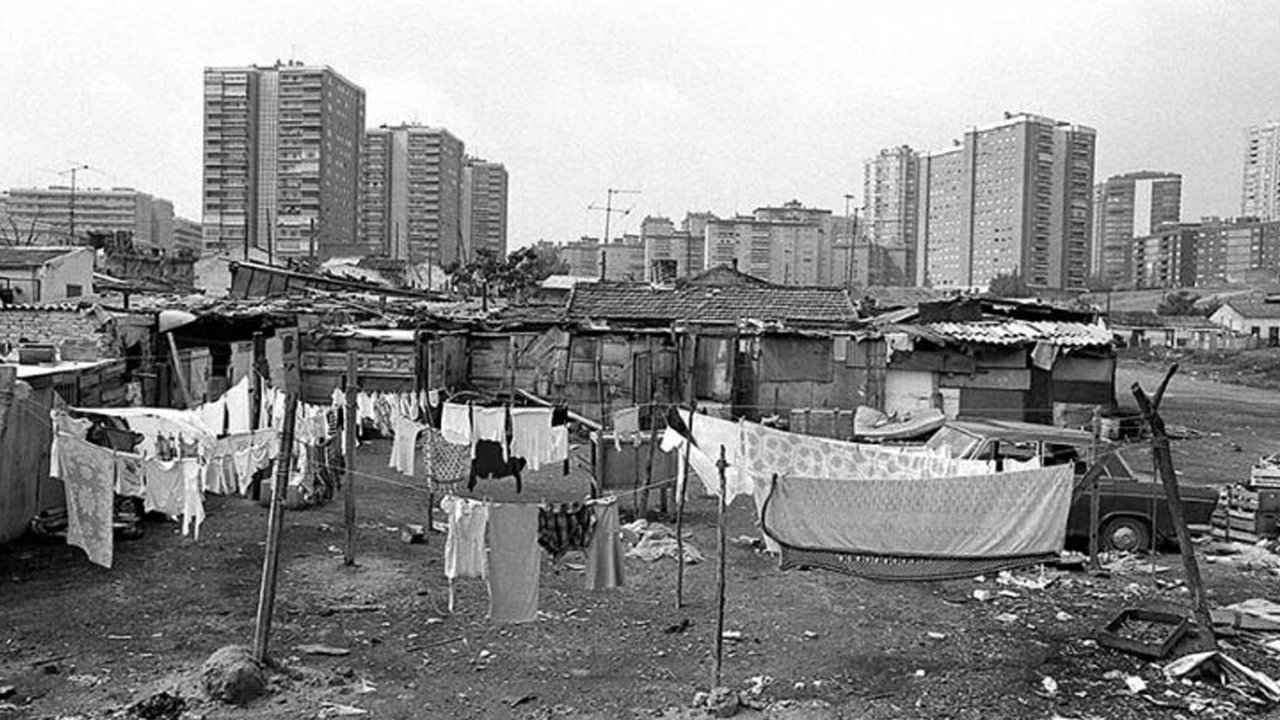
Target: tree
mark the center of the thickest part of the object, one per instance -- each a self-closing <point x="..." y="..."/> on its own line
<point x="1008" y="285"/>
<point x="513" y="278"/>
<point x="1182" y="302"/>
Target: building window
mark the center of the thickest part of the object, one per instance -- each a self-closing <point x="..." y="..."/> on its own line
<point x="74" y="290"/>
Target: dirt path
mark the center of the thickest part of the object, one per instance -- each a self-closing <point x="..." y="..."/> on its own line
<point x="1241" y="423"/>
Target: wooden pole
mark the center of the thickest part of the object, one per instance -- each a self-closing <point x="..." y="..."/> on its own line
<point x="349" y="451"/>
<point x="271" y="560"/>
<point x="720" y="567"/>
<point x="183" y="386"/>
<point x="653" y="435"/>
<point x="682" y="491"/>
<point x="1164" y="461"/>
<point x="1095" y="499"/>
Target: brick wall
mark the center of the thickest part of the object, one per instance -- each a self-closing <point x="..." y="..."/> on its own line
<point x="79" y="336"/>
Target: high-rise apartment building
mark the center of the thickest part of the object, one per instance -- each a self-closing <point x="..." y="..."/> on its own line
<point x="484" y="208"/>
<point x="1243" y="250"/>
<point x="281" y="159"/>
<point x="1260" y="194"/>
<point x="58" y="215"/>
<point x="411" y="190"/>
<point x="1166" y="258"/>
<point x="1125" y="207"/>
<point x="891" y="197"/>
<point x="670" y="253"/>
<point x="1013" y="196"/>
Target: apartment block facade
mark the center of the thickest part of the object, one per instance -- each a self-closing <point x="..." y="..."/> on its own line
<point x="484" y="208"/>
<point x="891" y="196"/>
<point x="281" y="159"/>
<point x="411" y="190"/>
<point x="1013" y="196"/>
<point x="51" y="215"/>
<point x="1243" y="250"/>
<point x="1166" y="258"/>
<point x="1125" y="207"/>
<point x="1260" y="192"/>
<point x="782" y="252"/>
<point x="671" y="253"/>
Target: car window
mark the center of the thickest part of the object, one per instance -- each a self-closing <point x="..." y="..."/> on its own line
<point x="1022" y="451"/>
<point x="955" y="443"/>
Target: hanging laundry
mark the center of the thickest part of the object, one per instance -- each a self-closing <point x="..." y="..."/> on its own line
<point x="455" y="423"/>
<point x="921" y="528"/>
<point x="626" y="425"/>
<point x="464" y="554"/>
<point x="489" y="424"/>
<point x="214" y="416"/>
<point x="490" y="463"/>
<point x="1044" y="354"/>
<point x="443" y="462"/>
<point x="558" y="445"/>
<point x="129" y="479"/>
<point x="64" y="426"/>
<point x="219" y="475"/>
<point x="237" y="399"/>
<point x="404" y="445"/>
<point x="87" y="472"/>
<point x="531" y="435"/>
<point x="173" y="488"/>
<point x="605" y="568"/>
<point x="710" y="434"/>
<point x="565" y="526"/>
<point x="514" y="563"/>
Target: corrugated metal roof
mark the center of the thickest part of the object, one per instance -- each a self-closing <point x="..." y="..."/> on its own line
<point x="1017" y="332"/>
<point x="711" y="304"/>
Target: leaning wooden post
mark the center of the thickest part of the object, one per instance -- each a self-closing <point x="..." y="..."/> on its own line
<point x="1095" y="499"/>
<point x="275" y="518"/>
<point x="643" y="498"/>
<point x="720" y="566"/>
<point x="1164" y="462"/>
<point x="682" y="491"/>
<point x="349" y="453"/>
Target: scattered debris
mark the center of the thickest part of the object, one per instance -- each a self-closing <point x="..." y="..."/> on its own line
<point x="1146" y="633"/>
<point x="331" y="709"/>
<point x="355" y="608"/>
<point x="1225" y="669"/>
<point x="1135" y="684"/>
<point x="413" y="534"/>
<point x="655" y="541"/>
<point x="161" y="706"/>
<point x="517" y="702"/>
<point x="721" y="702"/>
<point x="322" y="650"/>
<point x="1050" y="685"/>
<point x="679" y="627"/>
<point x="1007" y="618"/>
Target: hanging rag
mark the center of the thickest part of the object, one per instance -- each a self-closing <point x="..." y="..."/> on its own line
<point x="444" y="463"/>
<point x="514" y="560"/>
<point x="88" y="474"/>
<point x="129" y="480"/>
<point x="404" y="444"/>
<point x="173" y="488"/>
<point x="531" y="435"/>
<point x="565" y="526"/>
<point x="605" y="568"/>
<point x="464" y="547"/>
<point x="455" y="423"/>
<point x="64" y="426"/>
<point x="489" y="463"/>
<point x="1044" y="354"/>
<point x="921" y="529"/>
<point x="489" y="424"/>
<point x="214" y="416"/>
<point x="237" y="400"/>
<point x="626" y="425"/>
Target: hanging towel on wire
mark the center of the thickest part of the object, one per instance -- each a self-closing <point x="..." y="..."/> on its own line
<point x="237" y="399"/>
<point x="605" y="568"/>
<point x="464" y="547"/>
<point x="531" y="435"/>
<point x="513" y="563"/>
<point x="214" y="416"/>
<point x="455" y="423"/>
<point x="565" y="526"/>
<point x="88" y="471"/>
<point x="489" y="424"/>
<point x="404" y="444"/>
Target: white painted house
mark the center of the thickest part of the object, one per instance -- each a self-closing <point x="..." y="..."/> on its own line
<point x="38" y="274"/>
<point x="1251" y="317"/>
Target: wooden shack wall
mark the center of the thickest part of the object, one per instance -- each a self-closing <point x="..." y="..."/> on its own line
<point x="857" y="378"/>
<point x="381" y="365"/>
<point x="617" y="356"/>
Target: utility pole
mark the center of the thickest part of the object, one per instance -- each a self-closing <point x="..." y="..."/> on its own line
<point x="853" y="238"/>
<point x="609" y="209"/>
<point x="77" y="167"/>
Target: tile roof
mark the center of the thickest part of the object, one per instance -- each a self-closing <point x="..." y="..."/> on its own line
<point x="711" y="304"/>
<point x="20" y="257"/>
<point x="1014" y="332"/>
<point x="1253" y="309"/>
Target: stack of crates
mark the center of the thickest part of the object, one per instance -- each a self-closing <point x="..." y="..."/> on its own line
<point x="1246" y="515"/>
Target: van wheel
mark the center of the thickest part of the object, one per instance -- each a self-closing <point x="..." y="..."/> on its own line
<point x="1125" y="534"/>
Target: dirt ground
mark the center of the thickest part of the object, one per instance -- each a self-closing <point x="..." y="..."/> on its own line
<point x="81" y="641"/>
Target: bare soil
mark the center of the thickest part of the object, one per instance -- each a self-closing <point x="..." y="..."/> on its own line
<point x="78" y="640"/>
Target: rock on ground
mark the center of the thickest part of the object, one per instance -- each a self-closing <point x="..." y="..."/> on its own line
<point x="233" y="676"/>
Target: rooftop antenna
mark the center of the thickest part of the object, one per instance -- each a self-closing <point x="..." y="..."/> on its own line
<point x="609" y="209"/>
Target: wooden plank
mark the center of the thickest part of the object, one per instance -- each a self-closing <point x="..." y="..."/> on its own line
<point x="999" y="358"/>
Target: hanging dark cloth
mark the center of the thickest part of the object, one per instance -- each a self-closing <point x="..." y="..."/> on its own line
<point x="489" y="463"/>
<point x="565" y="526"/>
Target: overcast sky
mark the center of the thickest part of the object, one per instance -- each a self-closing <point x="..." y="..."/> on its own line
<point x="700" y="105"/>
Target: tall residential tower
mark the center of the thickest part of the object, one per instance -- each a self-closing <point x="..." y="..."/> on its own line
<point x="484" y="208"/>
<point x="411" y="190"/>
<point x="1260" y="195"/>
<point x="1125" y="207"/>
<point x="281" y="159"/>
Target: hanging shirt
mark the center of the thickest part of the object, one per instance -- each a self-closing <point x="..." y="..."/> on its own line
<point x="605" y="568"/>
<point x="237" y="399"/>
<point x="214" y="416"/>
<point x="88" y="473"/>
<point x="565" y="526"/>
<point x="464" y="547"/>
<point x="173" y="488"/>
<point x="514" y="559"/>
<point x="129" y="481"/>
<point x="192" y="498"/>
<point x="64" y="426"/>
<point x="404" y="444"/>
<point x="531" y="435"/>
<point x="455" y="423"/>
<point x="489" y="424"/>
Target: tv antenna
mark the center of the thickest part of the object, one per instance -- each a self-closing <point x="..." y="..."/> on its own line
<point x="609" y="209"/>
